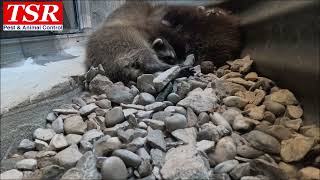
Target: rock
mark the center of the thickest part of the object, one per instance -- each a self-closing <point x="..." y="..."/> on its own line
<point x="209" y="131"/>
<point x="203" y="118"/>
<point x="294" y="124"/>
<point x="199" y="100"/>
<point x="52" y="172"/>
<point x="242" y="124"/>
<point x="87" y="165"/>
<point x="106" y="145"/>
<point x="157" y="157"/>
<point x="225" y="166"/>
<point x="311" y="131"/>
<point x="114" y="116"/>
<point x="189" y="60"/>
<point x="251" y="76"/>
<point x="128" y="112"/>
<point x="184" y="162"/>
<point x="144" y="114"/>
<point x="174" y="98"/>
<point x="41" y="145"/>
<point x="256" y="112"/>
<point x="11" y="174"/>
<point x="155" y="124"/>
<point x="73" y="173"/>
<point x="240" y="170"/>
<point x="222" y="176"/>
<point x="289" y="169"/>
<point x="68" y="157"/>
<point x="51" y="117"/>
<point x="145" y="99"/>
<point x="156" y="172"/>
<point x="241" y="65"/>
<point x="274" y="107"/>
<point x="121" y="94"/>
<point x="145" y="83"/>
<point x="74" y="125"/>
<point x="187" y="135"/>
<point x="164" y="93"/>
<point x="156" y="106"/>
<point x="278" y="131"/>
<point x="58" y="126"/>
<point x="176" y="109"/>
<point x="269" y="116"/>
<point x="263" y="142"/>
<point x="161" y="115"/>
<point x="205" y="145"/>
<point x="241" y="81"/>
<point x="296" y="148"/>
<point x="126" y="136"/>
<point x="104" y="104"/>
<point x="114" y="168"/>
<point x="235" y="101"/>
<point x="58" y="142"/>
<point x="145" y="169"/>
<point x="27" y="164"/>
<point x="254" y="97"/>
<point x="155" y="139"/>
<point x="85" y="146"/>
<point x="30" y="154"/>
<point x="309" y="173"/>
<point x="253" y="178"/>
<point x="113" y="130"/>
<point x="207" y="67"/>
<point x="183" y="88"/>
<point x="230" y="114"/>
<point x="294" y="112"/>
<point x="26" y="145"/>
<point x="100" y="84"/>
<point x="217" y="119"/>
<point x="43" y="134"/>
<point x="177" y="121"/>
<point x="225" y="150"/>
<point x="92" y="135"/>
<point x="73" y="138"/>
<point x="227" y="88"/>
<point x="284" y="96"/>
<point x="259" y="166"/>
<point x="247" y="151"/>
<point x="231" y="75"/>
<point x="87" y="109"/>
<point x="66" y="111"/>
<point x="142" y="152"/>
<point x="165" y="77"/>
<point x="78" y="101"/>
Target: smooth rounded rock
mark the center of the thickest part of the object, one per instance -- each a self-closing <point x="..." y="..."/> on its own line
<point x="43" y="134"/>
<point x="114" y="116"/>
<point x="74" y="125"/>
<point x="235" y="101"/>
<point x="11" y="174"/>
<point x="114" y="168"/>
<point x="274" y="107"/>
<point x="146" y="98"/>
<point x="174" y="98"/>
<point x="263" y="142"/>
<point x="177" y="121"/>
<point x="27" y="164"/>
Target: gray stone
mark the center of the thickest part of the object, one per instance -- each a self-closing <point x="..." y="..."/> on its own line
<point x="145" y="83"/>
<point x="164" y="93"/>
<point x="92" y="135"/>
<point x="259" y="166"/>
<point x="128" y="112"/>
<point x="189" y="60"/>
<point x="161" y="115"/>
<point x="73" y="138"/>
<point x="142" y="152"/>
<point x="199" y="100"/>
<point x="114" y="116"/>
<point x="58" y="142"/>
<point x="79" y="101"/>
<point x="113" y="130"/>
<point x="248" y="152"/>
<point x="225" y="150"/>
<point x="203" y="118"/>
<point x="85" y="146"/>
<point x="68" y="157"/>
<point x="217" y="119"/>
<point x="26" y="145"/>
<point x="27" y="164"/>
<point x="230" y="115"/>
<point x="226" y="166"/>
<point x="11" y="174"/>
<point x="87" y="165"/>
<point x="30" y="154"/>
<point x="274" y="107"/>
<point x="144" y="114"/>
<point x="73" y="173"/>
<point x="145" y="169"/>
<point x="263" y="142"/>
<point x="51" y="117"/>
<point x="132" y="106"/>
<point x="165" y="77"/>
<point x="74" y="125"/>
<point x="177" y="121"/>
<point x="235" y="101"/>
<point x="155" y="124"/>
<point x="157" y="157"/>
<point x="65" y="111"/>
<point x="104" y="103"/>
<point x="155" y="139"/>
<point x="100" y="84"/>
<point x="41" y="145"/>
<point x="106" y="145"/>
<point x="184" y="162"/>
<point x="240" y="170"/>
<point x="191" y="118"/>
<point x="156" y="106"/>
<point x="222" y="176"/>
<point x="183" y="88"/>
<point x="156" y="172"/>
<point x="242" y="124"/>
<point x="205" y="145"/>
<point x="212" y="132"/>
<point x="174" y="98"/>
<point x="52" y="172"/>
<point x="145" y="99"/>
<point x="187" y="135"/>
<point x="114" y="168"/>
<point x="135" y="144"/>
<point x="121" y="94"/>
<point x="126" y="136"/>
<point x="58" y="126"/>
<point x="176" y="109"/>
<point x="87" y="109"/>
<point x="43" y="134"/>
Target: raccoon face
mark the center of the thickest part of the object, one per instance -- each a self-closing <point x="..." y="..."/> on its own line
<point x="164" y="50"/>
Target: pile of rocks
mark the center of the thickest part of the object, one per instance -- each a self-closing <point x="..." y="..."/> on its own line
<point x="227" y="124"/>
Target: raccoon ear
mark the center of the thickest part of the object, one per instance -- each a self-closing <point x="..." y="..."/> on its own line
<point x="157" y="43"/>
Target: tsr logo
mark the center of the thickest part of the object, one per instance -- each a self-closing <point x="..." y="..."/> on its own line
<point x="35" y="14"/>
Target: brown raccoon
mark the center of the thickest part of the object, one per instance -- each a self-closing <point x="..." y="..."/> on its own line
<point x="123" y="45"/>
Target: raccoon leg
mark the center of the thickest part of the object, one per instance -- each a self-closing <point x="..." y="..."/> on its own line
<point x="149" y="62"/>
